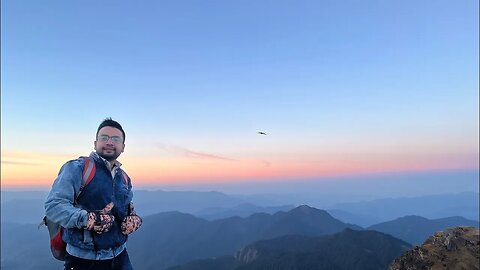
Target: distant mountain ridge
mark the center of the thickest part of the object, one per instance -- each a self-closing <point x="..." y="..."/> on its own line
<point x="176" y="238"/>
<point x="241" y="210"/>
<point x="152" y="202"/>
<point x="172" y="238"/>
<point x="24" y="246"/>
<point x="415" y="229"/>
<point x="464" y="204"/>
<point x="27" y="207"/>
<point x="349" y="249"/>
<point x="12" y="195"/>
<point x="24" y="211"/>
<point x="359" y="219"/>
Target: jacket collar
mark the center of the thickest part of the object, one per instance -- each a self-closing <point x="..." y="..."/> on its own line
<point x="97" y="157"/>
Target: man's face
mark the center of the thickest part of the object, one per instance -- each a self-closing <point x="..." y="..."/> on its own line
<point x="109" y="143"/>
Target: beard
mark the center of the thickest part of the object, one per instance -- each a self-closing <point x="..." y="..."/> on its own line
<point x="108" y="154"/>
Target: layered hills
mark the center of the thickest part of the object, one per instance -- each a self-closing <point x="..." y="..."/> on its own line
<point x="174" y="238"/>
<point x="415" y="229"/>
<point x="349" y="249"/>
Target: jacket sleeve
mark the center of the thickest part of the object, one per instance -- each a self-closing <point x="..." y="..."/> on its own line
<point x="59" y="205"/>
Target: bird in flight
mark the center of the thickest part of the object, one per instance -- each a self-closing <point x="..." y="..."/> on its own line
<point x="262" y="133"/>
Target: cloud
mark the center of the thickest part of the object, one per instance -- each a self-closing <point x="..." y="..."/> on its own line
<point x="8" y="162"/>
<point x="192" y="154"/>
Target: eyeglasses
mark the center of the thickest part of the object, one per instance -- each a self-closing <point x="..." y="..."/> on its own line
<point x="115" y="139"/>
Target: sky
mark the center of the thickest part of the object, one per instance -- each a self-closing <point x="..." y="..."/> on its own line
<point x="342" y="88"/>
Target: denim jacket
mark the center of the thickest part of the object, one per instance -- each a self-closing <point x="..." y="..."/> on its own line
<point x="104" y="188"/>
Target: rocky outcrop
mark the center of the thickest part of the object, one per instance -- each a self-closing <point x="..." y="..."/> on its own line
<point x="456" y="248"/>
<point x="246" y="255"/>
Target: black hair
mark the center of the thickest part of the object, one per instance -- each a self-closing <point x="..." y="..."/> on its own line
<point x="109" y="122"/>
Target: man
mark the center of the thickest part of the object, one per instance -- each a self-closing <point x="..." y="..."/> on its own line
<point x="98" y="221"/>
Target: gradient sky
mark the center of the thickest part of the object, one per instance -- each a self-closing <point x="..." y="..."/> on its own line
<point x="340" y="87"/>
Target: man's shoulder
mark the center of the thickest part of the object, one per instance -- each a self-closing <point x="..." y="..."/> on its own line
<point x="75" y="163"/>
<point x="82" y="159"/>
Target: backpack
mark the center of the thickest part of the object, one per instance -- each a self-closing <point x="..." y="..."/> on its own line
<point x="57" y="245"/>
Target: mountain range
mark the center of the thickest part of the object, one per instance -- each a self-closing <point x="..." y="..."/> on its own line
<point x="172" y="238"/>
<point x="464" y="204"/>
<point x="27" y="207"/>
<point x="24" y="246"/>
<point x="241" y="210"/>
<point x="349" y="250"/>
<point x="415" y="229"/>
<point x="176" y="238"/>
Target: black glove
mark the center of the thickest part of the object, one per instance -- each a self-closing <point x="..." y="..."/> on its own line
<point x="101" y="221"/>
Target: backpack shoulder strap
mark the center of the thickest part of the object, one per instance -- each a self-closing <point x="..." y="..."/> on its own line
<point x="88" y="173"/>
<point x="126" y="179"/>
<point x="89" y="170"/>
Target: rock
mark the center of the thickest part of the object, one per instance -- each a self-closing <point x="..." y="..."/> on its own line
<point x="246" y="255"/>
<point x="456" y="248"/>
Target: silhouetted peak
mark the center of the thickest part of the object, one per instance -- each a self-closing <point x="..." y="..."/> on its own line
<point x="173" y="216"/>
<point x="412" y="217"/>
<point x="308" y="211"/>
<point x="305" y="209"/>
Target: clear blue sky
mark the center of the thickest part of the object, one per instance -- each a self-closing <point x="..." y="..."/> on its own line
<point x="376" y="83"/>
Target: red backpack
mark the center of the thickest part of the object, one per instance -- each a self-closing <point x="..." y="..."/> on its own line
<point x="57" y="245"/>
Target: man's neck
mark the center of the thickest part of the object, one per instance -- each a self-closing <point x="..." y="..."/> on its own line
<point x="109" y="163"/>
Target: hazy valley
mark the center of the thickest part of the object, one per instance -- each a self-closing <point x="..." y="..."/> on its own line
<point x="185" y="230"/>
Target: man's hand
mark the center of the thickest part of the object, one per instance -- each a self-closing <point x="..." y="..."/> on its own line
<point x="101" y="221"/>
<point x="131" y="222"/>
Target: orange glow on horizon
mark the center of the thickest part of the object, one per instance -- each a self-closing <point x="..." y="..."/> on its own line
<point x="34" y="169"/>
